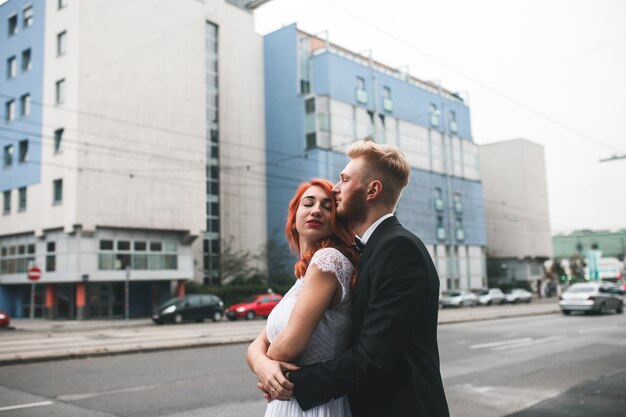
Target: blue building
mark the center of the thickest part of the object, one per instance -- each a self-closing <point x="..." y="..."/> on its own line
<point x="321" y="97"/>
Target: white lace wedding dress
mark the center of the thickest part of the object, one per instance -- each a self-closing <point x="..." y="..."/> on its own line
<point x="330" y="338"/>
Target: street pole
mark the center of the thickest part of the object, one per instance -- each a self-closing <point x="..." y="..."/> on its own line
<point x="32" y="300"/>
<point x="126" y="294"/>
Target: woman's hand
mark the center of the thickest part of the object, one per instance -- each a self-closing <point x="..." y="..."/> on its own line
<point x="272" y="380"/>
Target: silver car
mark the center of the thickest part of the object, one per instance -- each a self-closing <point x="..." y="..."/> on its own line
<point x="458" y="298"/>
<point x="597" y="297"/>
<point x="491" y="296"/>
<point x="518" y="295"/>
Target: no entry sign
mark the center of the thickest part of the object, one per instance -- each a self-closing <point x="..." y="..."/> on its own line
<point x="34" y="273"/>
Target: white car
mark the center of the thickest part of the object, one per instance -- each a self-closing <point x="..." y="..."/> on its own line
<point x="599" y="297"/>
<point x="518" y="295"/>
<point x="491" y="296"/>
<point x="458" y="298"/>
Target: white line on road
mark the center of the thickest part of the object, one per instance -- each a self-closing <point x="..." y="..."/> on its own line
<point x="501" y="343"/>
<point x="532" y="342"/>
<point x="597" y="329"/>
<point x="17" y="407"/>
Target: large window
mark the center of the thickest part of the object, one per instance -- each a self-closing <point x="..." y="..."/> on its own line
<point x="16" y="258"/>
<point x="28" y="16"/>
<point x="23" y="155"/>
<point x="138" y="255"/>
<point x="12" y="25"/>
<point x="58" y="140"/>
<point x="60" y="92"/>
<point x="11" y="67"/>
<point x="434" y="115"/>
<point x="387" y="102"/>
<point x="22" y="199"/>
<point x="7" y="156"/>
<point x="51" y="258"/>
<point x="61" y="43"/>
<point x="9" y="110"/>
<point x="360" y="92"/>
<point x="25" y="105"/>
<point x="6" y="202"/>
<point x="26" y="60"/>
<point x="57" y="192"/>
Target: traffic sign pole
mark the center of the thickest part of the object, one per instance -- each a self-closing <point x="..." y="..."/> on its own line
<point x="32" y="300"/>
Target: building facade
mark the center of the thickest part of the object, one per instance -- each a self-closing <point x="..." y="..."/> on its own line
<point x="321" y="97"/>
<point x="516" y="210"/>
<point x="125" y="145"/>
<point x="576" y="244"/>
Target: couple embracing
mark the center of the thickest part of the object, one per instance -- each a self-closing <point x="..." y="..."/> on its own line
<point x="357" y="333"/>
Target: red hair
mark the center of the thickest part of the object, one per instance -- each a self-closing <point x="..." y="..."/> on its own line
<point x="342" y="237"/>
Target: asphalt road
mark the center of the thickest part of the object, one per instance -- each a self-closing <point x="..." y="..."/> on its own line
<point x="533" y="366"/>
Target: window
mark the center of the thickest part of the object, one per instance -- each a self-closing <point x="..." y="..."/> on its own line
<point x="23" y="151"/>
<point x="438" y="200"/>
<point x="17" y="259"/>
<point x="460" y="232"/>
<point x="61" y="38"/>
<point x="11" y="67"/>
<point x="387" y="103"/>
<point x="106" y="245"/>
<point x="361" y="93"/>
<point x="60" y="91"/>
<point x="51" y="261"/>
<point x="6" y="207"/>
<point x="156" y="246"/>
<point x="9" y="110"/>
<point x="140" y="246"/>
<point x="26" y="60"/>
<point x="62" y="3"/>
<point x="452" y="124"/>
<point x="25" y="105"/>
<point x="58" y="140"/>
<point x="21" y="198"/>
<point x="12" y="25"/>
<point x="434" y="115"/>
<point x="7" y="156"/>
<point x="441" y="231"/>
<point x="28" y="16"/>
<point x="458" y="205"/>
<point x="123" y="245"/>
<point x="57" y="196"/>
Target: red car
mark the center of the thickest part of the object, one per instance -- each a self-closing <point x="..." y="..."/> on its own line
<point x="252" y="306"/>
<point x="5" y="319"/>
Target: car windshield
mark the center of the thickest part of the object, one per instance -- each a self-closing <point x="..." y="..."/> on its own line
<point x="581" y="288"/>
<point x="483" y="293"/>
<point x="249" y="299"/>
<point x="453" y="293"/>
<point x="172" y="301"/>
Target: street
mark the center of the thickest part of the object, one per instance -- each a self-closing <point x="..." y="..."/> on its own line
<point x="490" y="368"/>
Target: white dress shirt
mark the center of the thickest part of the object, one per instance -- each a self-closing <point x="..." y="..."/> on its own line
<point x="368" y="233"/>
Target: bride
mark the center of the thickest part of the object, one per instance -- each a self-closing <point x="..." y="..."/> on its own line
<point x="312" y="322"/>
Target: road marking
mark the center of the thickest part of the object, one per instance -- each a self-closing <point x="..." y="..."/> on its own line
<point x="532" y="342"/>
<point x="501" y="343"/>
<point x="597" y="329"/>
<point x="17" y="407"/>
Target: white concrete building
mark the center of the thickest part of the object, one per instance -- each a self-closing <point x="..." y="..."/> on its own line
<point x="145" y="115"/>
<point x="516" y="211"/>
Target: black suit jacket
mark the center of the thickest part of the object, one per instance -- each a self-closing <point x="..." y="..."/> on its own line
<point x="392" y="367"/>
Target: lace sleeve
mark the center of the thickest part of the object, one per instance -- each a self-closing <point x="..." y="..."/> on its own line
<point x="331" y="260"/>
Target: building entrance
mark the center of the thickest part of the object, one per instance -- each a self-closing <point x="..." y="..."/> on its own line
<point x="106" y="300"/>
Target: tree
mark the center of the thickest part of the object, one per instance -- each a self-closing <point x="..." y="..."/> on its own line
<point x="240" y="265"/>
<point x="279" y="260"/>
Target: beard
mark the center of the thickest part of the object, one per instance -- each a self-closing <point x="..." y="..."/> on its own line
<point x="353" y="209"/>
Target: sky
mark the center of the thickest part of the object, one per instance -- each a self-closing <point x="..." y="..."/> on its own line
<point x="550" y="71"/>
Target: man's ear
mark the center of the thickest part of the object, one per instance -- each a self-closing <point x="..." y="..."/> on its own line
<point x="374" y="190"/>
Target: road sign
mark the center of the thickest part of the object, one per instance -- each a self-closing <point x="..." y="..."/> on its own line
<point x="34" y="273"/>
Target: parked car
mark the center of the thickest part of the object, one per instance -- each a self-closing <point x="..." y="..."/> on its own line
<point x="518" y="295"/>
<point x="491" y="296"/>
<point x="597" y="297"/>
<point x="252" y="306"/>
<point x="197" y="307"/>
<point x="458" y="298"/>
<point x="5" y="319"/>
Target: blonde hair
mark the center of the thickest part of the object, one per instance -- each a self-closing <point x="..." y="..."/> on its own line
<point x="388" y="164"/>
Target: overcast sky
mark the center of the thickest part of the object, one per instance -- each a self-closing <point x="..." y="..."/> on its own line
<point x="550" y="71"/>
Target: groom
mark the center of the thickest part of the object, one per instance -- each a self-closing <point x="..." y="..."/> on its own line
<point x="392" y="367"/>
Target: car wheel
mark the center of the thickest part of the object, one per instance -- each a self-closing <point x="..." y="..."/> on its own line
<point x="178" y="318"/>
<point x="489" y="302"/>
<point x="603" y="309"/>
<point x="217" y="316"/>
<point x="250" y="315"/>
<point x="566" y="312"/>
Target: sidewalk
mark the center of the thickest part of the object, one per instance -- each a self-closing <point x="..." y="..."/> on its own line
<point x="44" y="340"/>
